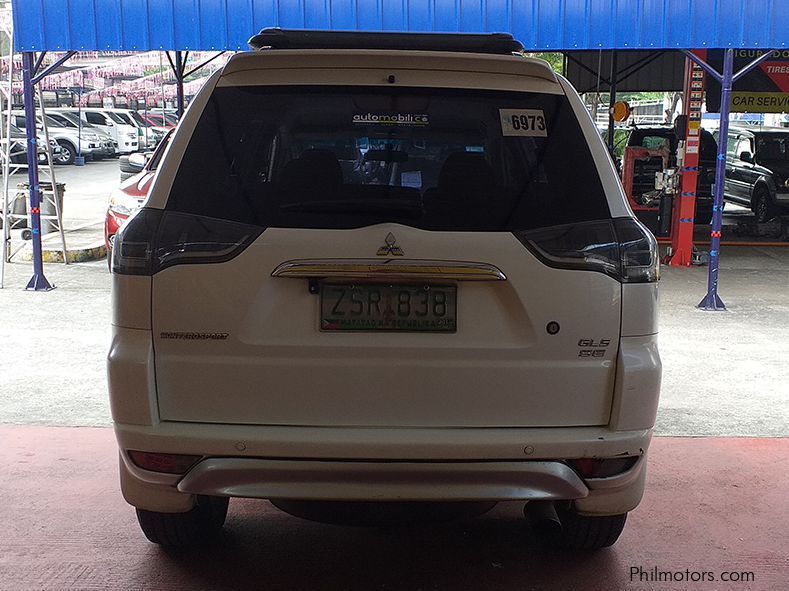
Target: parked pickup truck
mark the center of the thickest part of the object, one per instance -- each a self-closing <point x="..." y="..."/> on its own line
<point x="757" y="170"/>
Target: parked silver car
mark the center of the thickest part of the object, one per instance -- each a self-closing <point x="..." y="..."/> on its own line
<point x="109" y="147"/>
<point x="70" y="140"/>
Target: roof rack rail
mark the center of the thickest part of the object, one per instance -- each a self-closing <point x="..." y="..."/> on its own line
<point x="275" y="38"/>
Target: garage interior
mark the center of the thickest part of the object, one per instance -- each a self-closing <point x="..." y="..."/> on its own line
<point x="716" y="492"/>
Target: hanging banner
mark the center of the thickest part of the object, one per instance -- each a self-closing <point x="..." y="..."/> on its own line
<point x="765" y="89"/>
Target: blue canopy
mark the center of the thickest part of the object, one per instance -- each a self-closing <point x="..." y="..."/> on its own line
<point x="541" y="25"/>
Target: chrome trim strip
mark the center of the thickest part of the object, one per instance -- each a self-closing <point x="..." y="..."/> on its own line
<point x="383" y="481"/>
<point x="389" y="269"/>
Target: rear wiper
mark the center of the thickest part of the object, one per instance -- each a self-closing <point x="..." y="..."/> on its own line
<point x="409" y="208"/>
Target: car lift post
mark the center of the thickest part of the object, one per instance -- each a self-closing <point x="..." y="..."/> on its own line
<point x="712" y="302"/>
<point x="684" y="210"/>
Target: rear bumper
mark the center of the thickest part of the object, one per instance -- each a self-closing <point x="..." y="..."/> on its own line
<point x="382" y="465"/>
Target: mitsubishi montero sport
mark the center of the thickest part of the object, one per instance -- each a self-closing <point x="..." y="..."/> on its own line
<point x="382" y="269"/>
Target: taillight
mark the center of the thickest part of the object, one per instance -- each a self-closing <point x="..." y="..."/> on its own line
<point x="637" y="250"/>
<point x="622" y="248"/>
<point x="132" y="252"/>
<point x="154" y="239"/>
<point x="161" y="462"/>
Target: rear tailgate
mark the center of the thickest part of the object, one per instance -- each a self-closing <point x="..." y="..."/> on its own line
<point x="275" y="366"/>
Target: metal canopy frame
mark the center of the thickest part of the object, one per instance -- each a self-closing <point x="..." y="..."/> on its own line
<point x="178" y="66"/>
<point x="618" y="75"/>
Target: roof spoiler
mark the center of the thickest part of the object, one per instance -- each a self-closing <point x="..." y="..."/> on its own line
<point x="493" y="43"/>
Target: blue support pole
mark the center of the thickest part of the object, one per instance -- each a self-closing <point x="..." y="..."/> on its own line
<point x="38" y="282"/>
<point x="712" y="301"/>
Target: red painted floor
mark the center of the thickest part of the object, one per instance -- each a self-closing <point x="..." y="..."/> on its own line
<point x="713" y="505"/>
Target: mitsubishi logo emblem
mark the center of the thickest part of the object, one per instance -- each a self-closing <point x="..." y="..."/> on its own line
<point x="390" y="248"/>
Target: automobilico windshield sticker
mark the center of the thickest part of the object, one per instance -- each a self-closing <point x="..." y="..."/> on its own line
<point x="523" y="122"/>
<point x="399" y="119"/>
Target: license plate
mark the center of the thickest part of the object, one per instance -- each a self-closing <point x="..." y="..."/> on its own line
<point x="385" y="307"/>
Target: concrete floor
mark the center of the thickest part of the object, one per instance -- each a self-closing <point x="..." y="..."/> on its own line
<point x="712" y="505"/>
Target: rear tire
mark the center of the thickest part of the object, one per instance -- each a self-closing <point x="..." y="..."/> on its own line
<point x="126" y="170"/>
<point x="761" y="206"/>
<point x="197" y="526"/>
<point x="582" y="532"/>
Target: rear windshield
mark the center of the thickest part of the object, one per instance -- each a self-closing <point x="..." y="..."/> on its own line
<point x="323" y="157"/>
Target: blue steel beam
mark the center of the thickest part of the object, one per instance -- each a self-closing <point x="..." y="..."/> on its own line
<point x="203" y="65"/>
<point x="39" y="61"/>
<point x="713" y="73"/>
<point x="762" y="58"/>
<point x="38" y="282"/>
<point x="712" y="300"/>
<point x="38" y="76"/>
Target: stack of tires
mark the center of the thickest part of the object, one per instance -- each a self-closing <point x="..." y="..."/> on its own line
<point x="127" y="170"/>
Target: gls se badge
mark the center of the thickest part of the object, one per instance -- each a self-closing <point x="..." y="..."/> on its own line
<point x="390" y="248"/>
<point x="598" y="347"/>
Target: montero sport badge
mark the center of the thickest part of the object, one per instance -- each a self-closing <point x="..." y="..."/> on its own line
<point x="390" y="248"/>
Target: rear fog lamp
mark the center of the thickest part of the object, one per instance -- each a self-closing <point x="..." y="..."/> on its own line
<point x="602" y="467"/>
<point x="160" y="462"/>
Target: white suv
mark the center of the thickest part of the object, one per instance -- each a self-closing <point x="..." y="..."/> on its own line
<point x="369" y="273"/>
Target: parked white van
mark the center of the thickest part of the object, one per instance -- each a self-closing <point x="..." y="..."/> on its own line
<point x="385" y="268"/>
<point x="147" y="136"/>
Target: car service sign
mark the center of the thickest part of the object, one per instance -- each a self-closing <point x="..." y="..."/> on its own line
<point x="763" y="90"/>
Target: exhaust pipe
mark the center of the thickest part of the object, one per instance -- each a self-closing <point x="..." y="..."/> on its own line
<point x="543" y="519"/>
